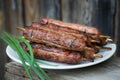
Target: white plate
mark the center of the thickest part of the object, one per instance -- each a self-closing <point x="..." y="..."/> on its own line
<point x="106" y="55"/>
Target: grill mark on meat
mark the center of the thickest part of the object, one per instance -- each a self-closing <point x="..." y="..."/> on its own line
<point x="59" y="29"/>
<point x="69" y="31"/>
<point x="45" y="52"/>
<point x="62" y="39"/>
<point x="90" y="30"/>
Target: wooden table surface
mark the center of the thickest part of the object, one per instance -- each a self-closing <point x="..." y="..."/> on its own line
<point x="107" y="70"/>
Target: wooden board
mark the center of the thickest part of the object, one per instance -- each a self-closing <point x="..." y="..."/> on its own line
<point x="49" y="8"/>
<point x="108" y="70"/>
<point x="103" y="16"/>
<point x="77" y="11"/>
<point x="12" y="12"/>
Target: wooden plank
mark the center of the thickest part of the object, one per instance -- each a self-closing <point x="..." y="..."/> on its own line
<point x="103" y="16"/>
<point x="2" y="56"/>
<point x="12" y="15"/>
<point x="118" y="28"/>
<point x="108" y="70"/>
<point x="77" y="11"/>
<point x="31" y="11"/>
<point x="36" y="9"/>
<point x="19" y="13"/>
<point x="7" y="8"/>
<point x="10" y="76"/>
<point x="3" y="60"/>
<point x="49" y="9"/>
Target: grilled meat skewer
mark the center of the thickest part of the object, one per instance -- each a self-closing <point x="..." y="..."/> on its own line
<point x="60" y="30"/>
<point x="66" y="30"/>
<point x="82" y="28"/>
<point x="45" y="52"/>
<point x="38" y="27"/>
<point x="57" y="41"/>
<point x="76" y="28"/>
<point x="100" y="39"/>
<point x="87" y="38"/>
<point x="52" y="38"/>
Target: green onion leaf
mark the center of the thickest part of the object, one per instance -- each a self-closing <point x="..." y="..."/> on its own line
<point x="24" y="56"/>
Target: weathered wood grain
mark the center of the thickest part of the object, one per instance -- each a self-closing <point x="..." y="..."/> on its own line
<point x="103" y="16"/>
<point x="34" y="10"/>
<point x="49" y="9"/>
<point x="118" y="28"/>
<point x="2" y="56"/>
<point x="31" y="11"/>
<point x="12" y="11"/>
<point x="3" y="60"/>
<point x="77" y="11"/>
<point x="108" y="70"/>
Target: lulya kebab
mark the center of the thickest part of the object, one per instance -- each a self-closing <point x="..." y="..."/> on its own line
<point x="42" y="34"/>
<point x="53" y="38"/>
<point x="76" y="28"/>
<point x="100" y="41"/>
<point x="91" y="30"/>
<point x="42" y="51"/>
<point x="64" y="38"/>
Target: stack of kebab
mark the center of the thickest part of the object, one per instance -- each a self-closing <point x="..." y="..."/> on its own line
<point x="58" y="41"/>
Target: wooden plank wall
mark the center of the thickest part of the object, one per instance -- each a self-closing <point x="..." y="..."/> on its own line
<point x="103" y="14"/>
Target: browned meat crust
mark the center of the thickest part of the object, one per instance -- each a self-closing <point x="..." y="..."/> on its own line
<point x="79" y="27"/>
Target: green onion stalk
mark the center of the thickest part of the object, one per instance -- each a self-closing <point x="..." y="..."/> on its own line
<point x="14" y="43"/>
